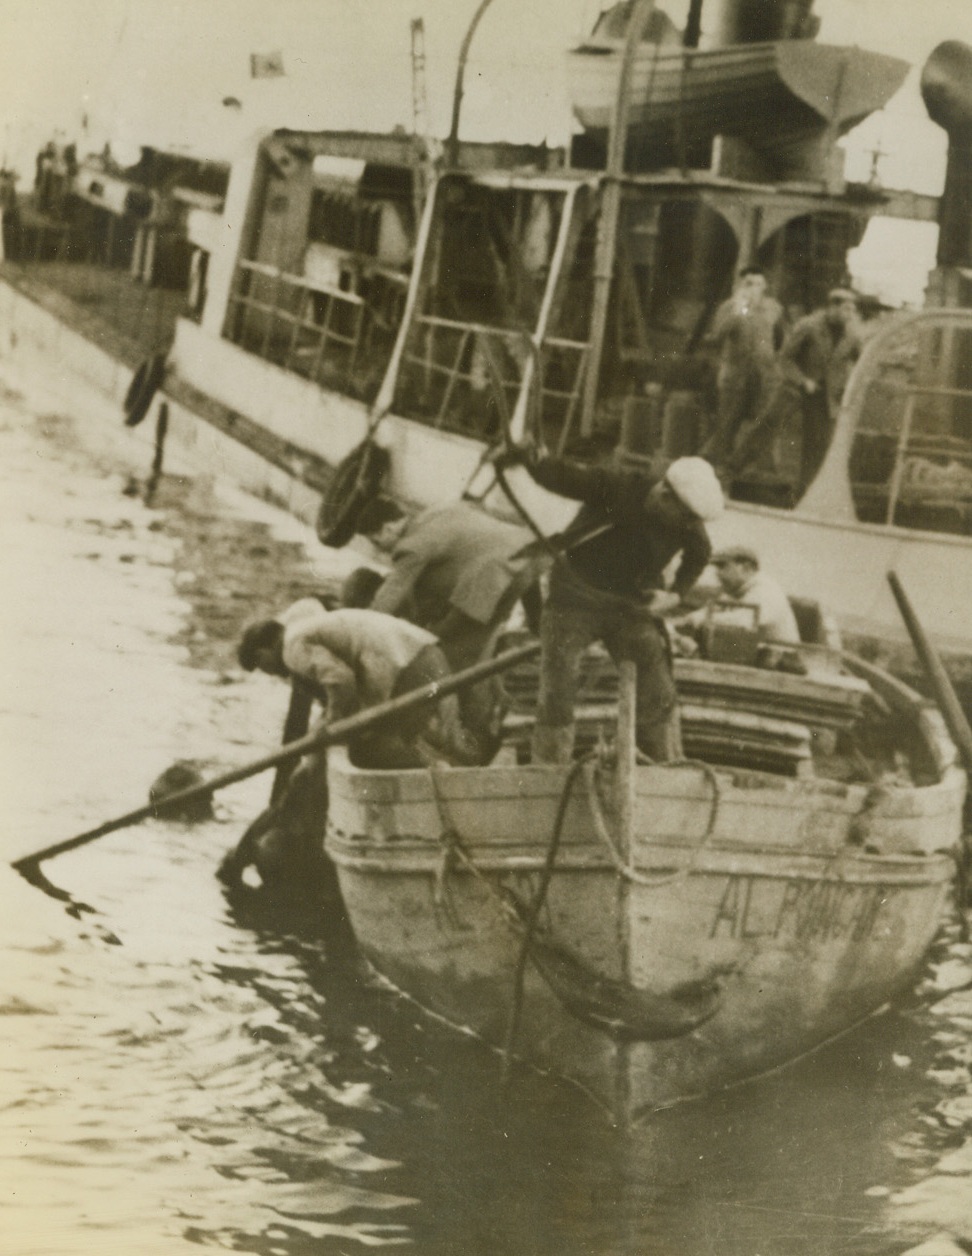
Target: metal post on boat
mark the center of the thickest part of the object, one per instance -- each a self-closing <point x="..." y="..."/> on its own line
<point x="693" y="25"/>
<point x="626" y="755"/>
<point x="626" y="758"/>
<point x="423" y="169"/>
<point x="611" y="210"/>
<point x="386" y="393"/>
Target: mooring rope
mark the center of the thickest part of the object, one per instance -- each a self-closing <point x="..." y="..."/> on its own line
<point x="626" y="870"/>
<point x="454" y="850"/>
<point x="533" y="915"/>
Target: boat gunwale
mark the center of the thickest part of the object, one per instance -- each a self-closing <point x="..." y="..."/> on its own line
<point x="836" y="796"/>
<point x="419" y="856"/>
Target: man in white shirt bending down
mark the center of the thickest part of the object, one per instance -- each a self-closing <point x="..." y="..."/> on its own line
<point x="349" y="660"/>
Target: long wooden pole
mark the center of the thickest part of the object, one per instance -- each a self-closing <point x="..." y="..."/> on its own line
<point x="295" y="725"/>
<point x="329" y="735"/>
<point x="928" y="656"/>
<point x="626" y="755"/>
<point x="607" y="237"/>
<point x="452" y="143"/>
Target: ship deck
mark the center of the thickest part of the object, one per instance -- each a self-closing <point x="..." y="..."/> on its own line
<point x="127" y="319"/>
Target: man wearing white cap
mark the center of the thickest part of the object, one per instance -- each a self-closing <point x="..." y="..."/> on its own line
<point x="608" y="585"/>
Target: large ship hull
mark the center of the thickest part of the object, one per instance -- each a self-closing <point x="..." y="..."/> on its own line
<point x="279" y="436"/>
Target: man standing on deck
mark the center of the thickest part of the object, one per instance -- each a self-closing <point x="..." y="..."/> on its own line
<point x="817" y="358"/>
<point x="608" y="585"/>
<point x="747" y="330"/>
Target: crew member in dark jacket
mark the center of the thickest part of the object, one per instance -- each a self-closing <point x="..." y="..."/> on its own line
<point x="608" y="585"/>
<point x="818" y="356"/>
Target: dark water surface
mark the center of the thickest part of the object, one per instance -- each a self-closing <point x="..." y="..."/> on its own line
<point x="182" y="1069"/>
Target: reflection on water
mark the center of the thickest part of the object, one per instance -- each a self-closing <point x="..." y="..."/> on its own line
<point x="188" y="1069"/>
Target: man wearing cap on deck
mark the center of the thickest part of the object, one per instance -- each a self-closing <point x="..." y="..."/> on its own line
<point x="742" y="582"/>
<point x="608" y="585"/>
<point x="817" y="357"/>
<point x="747" y="330"/>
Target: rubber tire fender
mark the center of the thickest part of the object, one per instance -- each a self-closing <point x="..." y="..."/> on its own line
<point x="357" y="481"/>
<point x="145" y="384"/>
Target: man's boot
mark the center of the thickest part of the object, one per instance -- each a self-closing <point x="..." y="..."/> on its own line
<point x="553" y="743"/>
<point x="662" y="741"/>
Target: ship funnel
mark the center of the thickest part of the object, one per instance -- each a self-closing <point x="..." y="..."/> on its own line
<point x="756" y="21"/>
<point x="946" y="88"/>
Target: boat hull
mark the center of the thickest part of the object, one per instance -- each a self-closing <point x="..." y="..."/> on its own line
<point x="771" y="93"/>
<point x="808" y="934"/>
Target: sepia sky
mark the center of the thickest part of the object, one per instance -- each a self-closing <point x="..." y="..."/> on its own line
<point x="158" y="71"/>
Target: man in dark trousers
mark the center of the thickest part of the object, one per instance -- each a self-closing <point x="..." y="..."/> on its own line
<point x="608" y="585"/>
<point x="817" y="358"/>
<point x="458" y="571"/>
<point x="747" y="330"/>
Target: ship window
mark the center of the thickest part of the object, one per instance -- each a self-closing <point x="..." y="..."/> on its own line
<point x="323" y="292"/>
<point x="481" y="296"/>
<point x="344" y="222"/>
<point x="911" y="456"/>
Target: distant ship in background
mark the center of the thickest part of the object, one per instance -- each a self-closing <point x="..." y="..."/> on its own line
<point x="426" y="296"/>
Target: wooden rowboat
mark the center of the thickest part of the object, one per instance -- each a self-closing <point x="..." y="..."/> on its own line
<point x="769" y="93"/>
<point x="679" y="928"/>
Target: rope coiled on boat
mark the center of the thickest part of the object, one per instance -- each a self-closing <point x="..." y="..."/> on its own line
<point x="626" y="870"/>
<point x="616" y="1007"/>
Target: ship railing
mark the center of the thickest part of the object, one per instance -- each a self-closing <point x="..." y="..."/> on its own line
<point x="298" y="323"/>
<point x="901" y="450"/>
<point x="445" y="378"/>
<point x="931" y="472"/>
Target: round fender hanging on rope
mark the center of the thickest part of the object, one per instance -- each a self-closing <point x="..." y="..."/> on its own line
<point x="145" y="384"/>
<point x="357" y="481"/>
